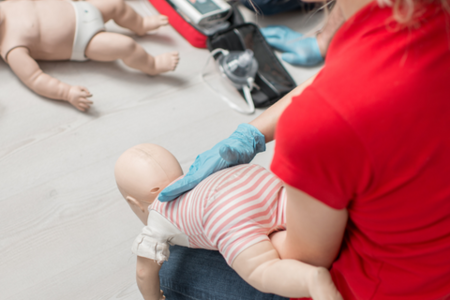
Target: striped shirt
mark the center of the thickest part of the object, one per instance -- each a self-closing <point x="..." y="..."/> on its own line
<point x="229" y="211"/>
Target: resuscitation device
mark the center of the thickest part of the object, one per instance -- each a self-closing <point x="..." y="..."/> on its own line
<point x="195" y="20"/>
<point x="240" y="68"/>
<point x="243" y="58"/>
<point x="208" y="16"/>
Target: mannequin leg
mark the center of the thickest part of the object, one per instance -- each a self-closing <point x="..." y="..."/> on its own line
<point x="261" y="266"/>
<point x="125" y="16"/>
<point x="109" y="46"/>
<point x="204" y="275"/>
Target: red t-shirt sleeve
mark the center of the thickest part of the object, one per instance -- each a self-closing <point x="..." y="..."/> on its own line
<point x="318" y="153"/>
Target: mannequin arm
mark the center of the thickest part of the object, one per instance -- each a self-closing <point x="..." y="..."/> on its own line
<point x="315" y="230"/>
<point x="28" y="71"/>
<point x="261" y="266"/>
<point x="267" y="121"/>
<point x="147" y="277"/>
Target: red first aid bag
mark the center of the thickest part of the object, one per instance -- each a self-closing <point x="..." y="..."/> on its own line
<point x="192" y="35"/>
<point x="189" y="32"/>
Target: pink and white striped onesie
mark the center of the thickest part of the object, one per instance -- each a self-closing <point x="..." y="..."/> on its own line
<point x="229" y="211"/>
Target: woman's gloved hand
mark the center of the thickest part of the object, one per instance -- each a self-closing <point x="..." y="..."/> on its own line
<point x="299" y="50"/>
<point x="240" y="148"/>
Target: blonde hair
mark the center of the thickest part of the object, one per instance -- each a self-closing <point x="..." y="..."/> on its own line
<point x="405" y="11"/>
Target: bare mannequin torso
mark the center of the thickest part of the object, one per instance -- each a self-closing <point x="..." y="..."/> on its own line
<point x="34" y="20"/>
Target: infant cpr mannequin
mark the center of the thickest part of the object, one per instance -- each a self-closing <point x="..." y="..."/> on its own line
<point x="233" y="211"/>
<point x="66" y="30"/>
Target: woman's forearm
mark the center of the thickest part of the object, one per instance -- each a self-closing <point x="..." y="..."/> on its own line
<point x="266" y="122"/>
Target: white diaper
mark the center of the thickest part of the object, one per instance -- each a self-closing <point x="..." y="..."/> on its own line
<point x="89" y="22"/>
<point x="154" y="240"/>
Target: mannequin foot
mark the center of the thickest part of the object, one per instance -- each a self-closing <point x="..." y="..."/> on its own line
<point x="165" y="62"/>
<point x="153" y="22"/>
<point x="321" y="286"/>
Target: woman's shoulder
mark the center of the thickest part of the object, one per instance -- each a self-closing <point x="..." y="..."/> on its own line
<point x="373" y="42"/>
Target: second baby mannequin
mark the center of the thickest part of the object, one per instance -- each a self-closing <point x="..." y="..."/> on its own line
<point x="62" y="30"/>
<point x="233" y="211"/>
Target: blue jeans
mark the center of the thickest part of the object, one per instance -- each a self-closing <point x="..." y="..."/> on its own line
<point x="204" y="275"/>
<point x="271" y="7"/>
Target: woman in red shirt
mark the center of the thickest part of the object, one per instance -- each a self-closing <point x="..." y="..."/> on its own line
<point x="363" y="149"/>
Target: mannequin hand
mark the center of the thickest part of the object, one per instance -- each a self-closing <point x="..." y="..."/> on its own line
<point x="78" y="97"/>
<point x="321" y="286"/>
<point x="298" y="49"/>
<point x="240" y="148"/>
<point x="162" y="297"/>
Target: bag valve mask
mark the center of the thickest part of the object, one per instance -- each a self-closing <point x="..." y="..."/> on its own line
<point x="240" y="68"/>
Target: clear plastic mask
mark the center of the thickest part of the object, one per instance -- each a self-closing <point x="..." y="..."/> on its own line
<point x="233" y="70"/>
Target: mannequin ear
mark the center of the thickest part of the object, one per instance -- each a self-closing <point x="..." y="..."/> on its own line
<point x="134" y="202"/>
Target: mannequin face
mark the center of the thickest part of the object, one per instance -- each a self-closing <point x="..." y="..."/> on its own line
<point x="142" y="172"/>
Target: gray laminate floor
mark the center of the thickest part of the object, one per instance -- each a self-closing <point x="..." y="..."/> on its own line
<point x="65" y="232"/>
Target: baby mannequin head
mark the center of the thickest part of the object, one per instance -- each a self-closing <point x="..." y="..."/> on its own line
<point x="142" y="172"/>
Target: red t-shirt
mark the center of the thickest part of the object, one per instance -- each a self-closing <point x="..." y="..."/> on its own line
<point x="372" y="134"/>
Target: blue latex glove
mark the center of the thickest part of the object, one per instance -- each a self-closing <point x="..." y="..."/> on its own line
<point x="298" y="50"/>
<point x="240" y="148"/>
